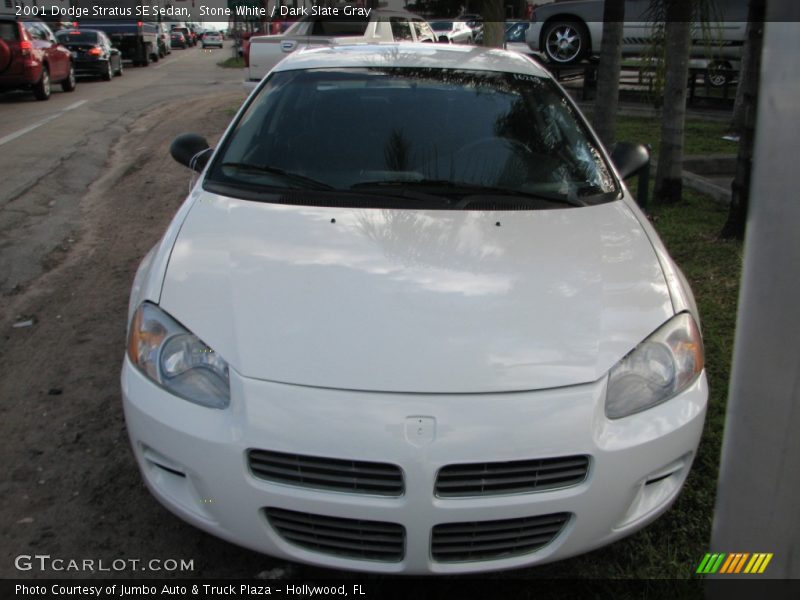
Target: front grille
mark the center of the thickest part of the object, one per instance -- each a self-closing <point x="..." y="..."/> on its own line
<point x="327" y="473"/>
<point x="352" y="538"/>
<point x="519" y="476"/>
<point x="491" y="540"/>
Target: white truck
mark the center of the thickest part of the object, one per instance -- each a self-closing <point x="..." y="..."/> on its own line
<point x="377" y="26"/>
<point x="568" y="31"/>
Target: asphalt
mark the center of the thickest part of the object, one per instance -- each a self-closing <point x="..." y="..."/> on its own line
<point x="52" y="151"/>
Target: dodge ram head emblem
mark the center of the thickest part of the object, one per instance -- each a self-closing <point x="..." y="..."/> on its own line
<point x="420" y="431"/>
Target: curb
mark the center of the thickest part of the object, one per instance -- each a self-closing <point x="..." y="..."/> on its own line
<point x="705" y="186"/>
<point x="698" y="183"/>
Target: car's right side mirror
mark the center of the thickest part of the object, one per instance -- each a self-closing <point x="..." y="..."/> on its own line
<point x="191" y="150"/>
<point x="630" y="158"/>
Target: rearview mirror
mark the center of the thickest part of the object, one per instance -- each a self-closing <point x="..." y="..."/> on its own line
<point x="191" y="150"/>
<point x="630" y="158"/>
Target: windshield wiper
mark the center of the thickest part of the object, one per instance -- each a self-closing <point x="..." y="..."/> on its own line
<point x="545" y="196"/>
<point x="399" y="188"/>
<point x="307" y="182"/>
<point x="468" y="193"/>
<point x="576" y="197"/>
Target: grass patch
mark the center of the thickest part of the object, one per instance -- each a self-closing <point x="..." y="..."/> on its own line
<point x="234" y="62"/>
<point x="700" y="137"/>
<point x="674" y="544"/>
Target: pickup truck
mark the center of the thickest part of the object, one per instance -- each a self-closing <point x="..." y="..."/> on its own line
<point x="137" y="40"/>
<point x="379" y="26"/>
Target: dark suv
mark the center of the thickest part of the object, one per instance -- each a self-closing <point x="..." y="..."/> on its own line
<point x="188" y="34"/>
<point x="32" y="58"/>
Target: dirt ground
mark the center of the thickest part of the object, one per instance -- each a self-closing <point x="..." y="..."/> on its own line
<point x="68" y="480"/>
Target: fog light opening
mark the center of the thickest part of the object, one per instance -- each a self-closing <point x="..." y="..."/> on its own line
<point x="657" y="491"/>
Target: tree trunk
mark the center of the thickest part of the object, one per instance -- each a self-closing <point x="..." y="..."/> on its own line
<point x="745" y="73"/>
<point x="494" y="23"/>
<point x="604" y="117"/>
<point x="669" y="182"/>
<point x="740" y="188"/>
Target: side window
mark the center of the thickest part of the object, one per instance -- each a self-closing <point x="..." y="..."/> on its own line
<point x="401" y="29"/>
<point x="34" y="32"/>
<point x="516" y="33"/>
<point x="48" y="33"/>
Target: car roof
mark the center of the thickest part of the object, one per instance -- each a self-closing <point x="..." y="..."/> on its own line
<point x="419" y="55"/>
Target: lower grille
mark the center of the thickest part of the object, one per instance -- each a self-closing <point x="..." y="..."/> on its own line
<point x="352" y="538"/>
<point x="513" y="477"/>
<point x="491" y="540"/>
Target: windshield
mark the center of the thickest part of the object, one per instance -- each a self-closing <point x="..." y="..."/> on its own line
<point x="426" y="133"/>
<point x="442" y="25"/>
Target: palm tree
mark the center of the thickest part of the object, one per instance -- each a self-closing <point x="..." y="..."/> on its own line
<point x="678" y="29"/>
<point x="604" y="116"/>
<point x="748" y="86"/>
<point x="494" y="23"/>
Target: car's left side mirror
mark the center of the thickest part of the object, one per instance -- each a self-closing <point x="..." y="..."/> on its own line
<point x="630" y="158"/>
<point x="191" y="150"/>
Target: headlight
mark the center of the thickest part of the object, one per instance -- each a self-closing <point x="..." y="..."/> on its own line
<point x="176" y="359"/>
<point x="657" y="369"/>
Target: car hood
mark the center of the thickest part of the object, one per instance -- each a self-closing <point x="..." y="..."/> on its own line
<point x="415" y="301"/>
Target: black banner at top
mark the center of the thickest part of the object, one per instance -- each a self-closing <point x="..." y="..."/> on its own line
<point x="230" y="11"/>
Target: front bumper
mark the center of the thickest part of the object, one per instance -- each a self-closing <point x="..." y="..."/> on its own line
<point x="194" y="460"/>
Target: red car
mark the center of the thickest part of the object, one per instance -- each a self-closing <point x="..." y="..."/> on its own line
<point x="32" y="58"/>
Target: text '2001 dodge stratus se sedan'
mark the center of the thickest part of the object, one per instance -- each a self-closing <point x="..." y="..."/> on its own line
<point x="409" y="319"/>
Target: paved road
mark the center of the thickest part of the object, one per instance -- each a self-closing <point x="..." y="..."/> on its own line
<point x="51" y="151"/>
<point x="69" y="483"/>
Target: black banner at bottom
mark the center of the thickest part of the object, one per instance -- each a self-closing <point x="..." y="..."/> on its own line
<point x="415" y="588"/>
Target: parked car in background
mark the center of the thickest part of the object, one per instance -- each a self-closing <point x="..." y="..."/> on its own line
<point x="475" y="23"/>
<point x="57" y="24"/>
<point x="515" y="37"/>
<point x="137" y="40"/>
<point x="164" y="40"/>
<point x="212" y="39"/>
<point x="92" y="52"/>
<point x="32" y="58"/>
<point x="178" y="40"/>
<point x="196" y="32"/>
<point x="423" y="32"/>
<point x="188" y="35"/>
<point x="378" y="349"/>
<point x="453" y="32"/>
<point x="567" y="32"/>
<point x="262" y="52"/>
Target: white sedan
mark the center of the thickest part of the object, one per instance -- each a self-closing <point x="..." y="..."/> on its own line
<point x="212" y="38"/>
<point x="453" y="32"/>
<point x="363" y="346"/>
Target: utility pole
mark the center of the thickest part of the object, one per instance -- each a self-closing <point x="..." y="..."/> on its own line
<point x="758" y="494"/>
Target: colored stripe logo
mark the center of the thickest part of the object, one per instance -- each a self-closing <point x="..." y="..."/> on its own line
<point x="734" y="563"/>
